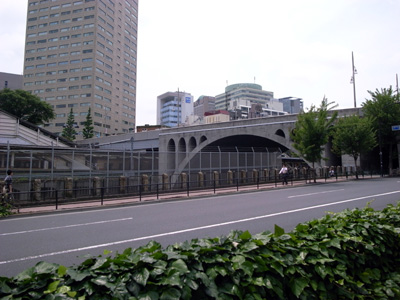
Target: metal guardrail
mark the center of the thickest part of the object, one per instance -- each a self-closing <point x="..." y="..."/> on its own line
<point x="56" y="197"/>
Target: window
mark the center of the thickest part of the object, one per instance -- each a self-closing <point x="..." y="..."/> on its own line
<point x="60" y="115"/>
<point x="75" y="61"/>
<point x="63" y="88"/>
<point x="52" y="48"/>
<point x="65" y="29"/>
<point x="53" y="23"/>
<point x="51" y="73"/>
<point x="87" y="69"/>
<point x="86" y="86"/>
<point x="74" y="87"/>
<point x="62" y="71"/>
<point x="31" y="35"/>
<point x="63" y="54"/>
<point x="63" y="63"/>
<point x="75" y="52"/>
<point x="53" y="64"/>
<point x="53" y="39"/>
<point x="61" y="106"/>
<point x="87" y="59"/>
<point x="64" y="13"/>
<point x="40" y="66"/>
<point x="62" y="80"/>
<point x="51" y="81"/>
<point x="74" y="70"/>
<point x="73" y="78"/>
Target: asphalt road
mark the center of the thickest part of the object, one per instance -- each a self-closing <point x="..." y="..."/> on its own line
<point x="66" y="237"/>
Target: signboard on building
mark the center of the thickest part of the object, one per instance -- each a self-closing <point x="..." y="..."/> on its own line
<point x="396" y="128"/>
<point x="187" y="99"/>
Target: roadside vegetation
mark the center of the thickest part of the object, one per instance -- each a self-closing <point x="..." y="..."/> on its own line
<point x="354" y="254"/>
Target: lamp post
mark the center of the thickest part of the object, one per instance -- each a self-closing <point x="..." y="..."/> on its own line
<point x="353" y="79"/>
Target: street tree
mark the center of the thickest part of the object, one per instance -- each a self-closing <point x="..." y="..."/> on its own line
<point x="384" y="109"/>
<point x="88" y="126"/>
<point x="26" y="106"/>
<point x="354" y="136"/>
<point x="69" y="128"/>
<point x="312" y="131"/>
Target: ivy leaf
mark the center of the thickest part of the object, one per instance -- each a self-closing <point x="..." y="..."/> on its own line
<point x="171" y="294"/>
<point x="279" y="231"/>
<point x="180" y="265"/>
<point x="142" y="276"/>
<point x="297" y="285"/>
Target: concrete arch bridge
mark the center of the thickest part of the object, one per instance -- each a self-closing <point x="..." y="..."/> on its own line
<point x="236" y="145"/>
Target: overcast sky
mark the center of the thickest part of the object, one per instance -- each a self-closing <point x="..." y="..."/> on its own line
<point x="290" y="47"/>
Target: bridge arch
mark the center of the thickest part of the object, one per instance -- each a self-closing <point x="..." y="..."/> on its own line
<point x="257" y="142"/>
<point x="192" y="144"/>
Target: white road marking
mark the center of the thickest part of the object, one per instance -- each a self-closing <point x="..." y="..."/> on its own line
<point x="191" y="229"/>
<point x="310" y="194"/>
<point x="67" y="226"/>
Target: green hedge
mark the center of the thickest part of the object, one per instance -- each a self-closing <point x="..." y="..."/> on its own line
<point x="354" y="254"/>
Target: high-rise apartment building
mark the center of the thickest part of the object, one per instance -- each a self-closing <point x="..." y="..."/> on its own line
<point x="81" y="54"/>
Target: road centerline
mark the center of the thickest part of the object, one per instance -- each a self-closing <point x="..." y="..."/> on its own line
<point x="311" y="194"/>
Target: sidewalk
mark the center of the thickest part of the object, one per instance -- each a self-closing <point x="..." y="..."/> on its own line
<point x="171" y="196"/>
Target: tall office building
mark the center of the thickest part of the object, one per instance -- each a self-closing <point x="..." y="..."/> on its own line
<point x="242" y="94"/>
<point x="81" y="54"/>
<point x="174" y="108"/>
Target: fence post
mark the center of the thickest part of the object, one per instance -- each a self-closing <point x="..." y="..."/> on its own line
<point x="187" y="187"/>
<point x="122" y="184"/>
<point x="56" y="199"/>
<point x="102" y="194"/>
<point x="140" y="193"/>
<point x="214" y="185"/>
<point x="157" y="190"/>
<point x="68" y="187"/>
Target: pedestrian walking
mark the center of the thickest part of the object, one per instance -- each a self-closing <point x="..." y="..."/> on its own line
<point x="284" y="172"/>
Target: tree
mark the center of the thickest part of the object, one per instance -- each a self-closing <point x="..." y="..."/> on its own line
<point x="384" y="110"/>
<point x="26" y="106"/>
<point x="69" y="128"/>
<point x="88" y="126"/>
<point x="354" y="136"/>
<point x="312" y="131"/>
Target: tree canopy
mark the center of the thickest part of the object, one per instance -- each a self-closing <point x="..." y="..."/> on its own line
<point x="88" y="126"/>
<point x="312" y="131"/>
<point x="354" y="136"/>
<point x="384" y="110"/>
<point x="69" y="128"/>
<point x="26" y="106"/>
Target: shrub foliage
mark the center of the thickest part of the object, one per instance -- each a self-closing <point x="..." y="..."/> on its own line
<point x="354" y="254"/>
